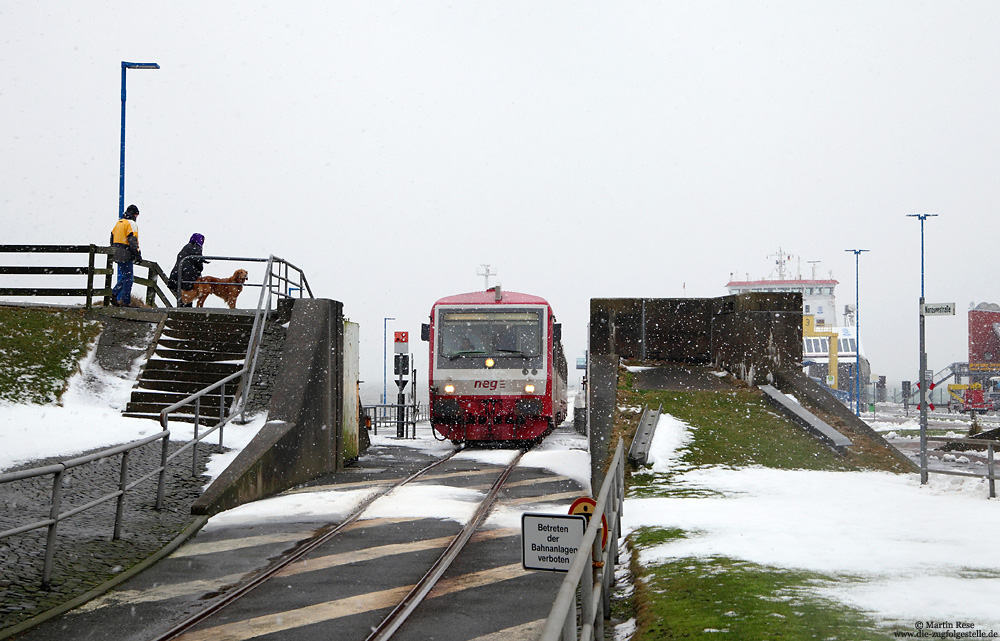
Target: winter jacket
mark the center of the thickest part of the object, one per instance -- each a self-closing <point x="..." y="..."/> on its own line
<point x="125" y="241"/>
<point x="191" y="267"/>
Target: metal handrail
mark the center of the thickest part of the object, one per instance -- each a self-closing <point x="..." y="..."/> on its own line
<point x="59" y="469"/>
<point x="277" y="284"/>
<point x="264" y="306"/>
<point x="594" y="586"/>
<point x="387" y="414"/>
<point x="260" y="320"/>
<point x="991" y="470"/>
<point x="302" y="283"/>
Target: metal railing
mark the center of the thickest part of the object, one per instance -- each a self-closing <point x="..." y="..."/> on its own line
<point x="991" y="468"/>
<point x="154" y="276"/>
<point x="59" y="470"/>
<point x="277" y="283"/>
<point x="591" y="575"/>
<point x="402" y="418"/>
<point x="280" y="282"/>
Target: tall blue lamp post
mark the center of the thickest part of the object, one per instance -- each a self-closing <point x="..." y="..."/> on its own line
<point x="385" y="338"/>
<point x="857" y="334"/>
<point x="121" y="174"/>
<point x="923" y="358"/>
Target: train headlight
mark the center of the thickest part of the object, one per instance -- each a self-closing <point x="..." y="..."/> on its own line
<point x="490" y="362"/>
<point x="449" y="389"/>
<point x="529" y="389"/>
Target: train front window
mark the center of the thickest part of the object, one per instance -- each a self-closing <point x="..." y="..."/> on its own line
<point x="467" y="334"/>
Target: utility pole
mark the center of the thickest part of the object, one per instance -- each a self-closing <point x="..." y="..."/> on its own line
<point x="857" y="334"/>
<point x="923" y="358"/>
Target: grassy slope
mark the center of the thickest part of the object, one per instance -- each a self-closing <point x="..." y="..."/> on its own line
<point x="40" y="350"/>
<point x="721" y="597"/>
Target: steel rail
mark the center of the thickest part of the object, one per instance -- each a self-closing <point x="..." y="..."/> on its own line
<point x="401" y="612"/>
<point x="301" y="550"/>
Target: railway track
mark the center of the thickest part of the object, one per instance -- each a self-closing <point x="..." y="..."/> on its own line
<point x="212" y="622"/>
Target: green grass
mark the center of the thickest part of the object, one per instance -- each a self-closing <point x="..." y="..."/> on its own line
<point x="718" y="597"/>
<point x="39" y="351"/>
<point x="713" y="598"/>
<point x="739" y="428"/>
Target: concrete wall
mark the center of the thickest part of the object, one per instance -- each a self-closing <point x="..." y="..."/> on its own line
<point x="750" y="335"/>
<point x="351" y="411"/>
<point x="302" y="438"/>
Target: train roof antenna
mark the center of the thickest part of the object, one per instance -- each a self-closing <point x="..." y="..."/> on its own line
<point x="486" y="272"/>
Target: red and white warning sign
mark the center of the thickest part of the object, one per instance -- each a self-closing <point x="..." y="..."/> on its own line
<point x="401" y="342"/>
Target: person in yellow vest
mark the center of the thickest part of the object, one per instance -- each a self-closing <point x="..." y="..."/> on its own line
<point x="125" y="242"/>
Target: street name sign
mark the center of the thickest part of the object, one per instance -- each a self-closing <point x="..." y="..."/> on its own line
<point x="550" y="541"/>
<point x="937" y="309"/>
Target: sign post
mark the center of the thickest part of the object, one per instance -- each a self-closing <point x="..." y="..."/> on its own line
<point x="927" y="378"/>
<point x="401" y="367"/>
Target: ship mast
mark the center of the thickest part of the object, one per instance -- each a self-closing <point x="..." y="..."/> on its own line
<point x="782" y="258"/>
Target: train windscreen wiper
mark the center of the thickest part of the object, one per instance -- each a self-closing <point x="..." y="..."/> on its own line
<point x="468" y="352"/>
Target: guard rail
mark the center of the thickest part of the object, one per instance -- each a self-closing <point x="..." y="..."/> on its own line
<point x="591" y="575"/>
<point x="991" y="468"/>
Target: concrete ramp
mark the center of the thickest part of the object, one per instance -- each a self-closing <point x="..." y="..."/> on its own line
<point x="803" y="417"/>
<point x="869" y="449"/>
<point x="678" y="377"/>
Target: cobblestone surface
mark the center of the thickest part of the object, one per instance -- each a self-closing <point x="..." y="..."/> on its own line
<point x="85" y="556"/>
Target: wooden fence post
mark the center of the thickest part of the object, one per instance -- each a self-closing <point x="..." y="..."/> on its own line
<point x="90" y="278"/>
<point x="151" y="288"/>
<point x="107" y="280"/>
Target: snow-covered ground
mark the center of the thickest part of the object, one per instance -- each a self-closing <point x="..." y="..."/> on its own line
<point x="89" y="417"/>
<point x="898" y="550"/>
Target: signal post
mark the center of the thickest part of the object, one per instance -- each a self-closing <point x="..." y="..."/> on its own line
<point x="401" y="368"/>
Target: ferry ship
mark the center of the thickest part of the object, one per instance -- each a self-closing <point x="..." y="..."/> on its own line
<point x="833" y="368"/>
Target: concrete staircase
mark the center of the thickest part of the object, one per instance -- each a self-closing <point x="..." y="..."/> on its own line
<point x="194" y="348"/>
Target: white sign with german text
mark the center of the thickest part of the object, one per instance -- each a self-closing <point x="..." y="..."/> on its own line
<point x="937" y="309"/>
<point x="550" y="541"/>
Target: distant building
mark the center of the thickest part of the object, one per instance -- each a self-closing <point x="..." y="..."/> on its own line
<point x="819" y="310"/>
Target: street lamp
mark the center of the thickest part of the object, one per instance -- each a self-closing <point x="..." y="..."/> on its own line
<point x="121" y="172"/>
<point x="857" y="334"/>
<point x="923" y="358"/>
<point x="385" y="339"/>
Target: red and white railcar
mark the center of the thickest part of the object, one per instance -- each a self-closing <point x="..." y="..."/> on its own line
<point x="497" y="369"/>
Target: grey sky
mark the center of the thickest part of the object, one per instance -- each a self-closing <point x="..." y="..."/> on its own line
<point x="583" y="149"/>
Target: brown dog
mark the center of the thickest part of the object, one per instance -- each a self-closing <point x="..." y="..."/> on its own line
<point x="225" y="288"/>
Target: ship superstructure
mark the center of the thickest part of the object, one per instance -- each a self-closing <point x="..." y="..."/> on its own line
<point x="821" y="330"/>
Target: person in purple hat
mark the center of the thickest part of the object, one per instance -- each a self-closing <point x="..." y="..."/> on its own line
<point x="189" y="269"/>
